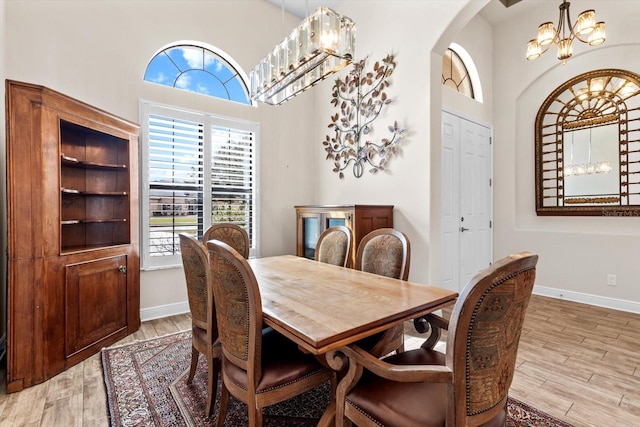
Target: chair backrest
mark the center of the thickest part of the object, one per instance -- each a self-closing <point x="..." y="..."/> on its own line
<point x="239" y="308"/>
<point x="232" y="234"/>
<point x="334" y="246"/>
<point x="196" y="271"/>
<point x="386" y="252"/>
<point x="483" y="337"/>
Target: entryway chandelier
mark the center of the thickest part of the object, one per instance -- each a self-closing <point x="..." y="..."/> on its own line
<point x="323" y="43"/>
<point x="586" y="30"/>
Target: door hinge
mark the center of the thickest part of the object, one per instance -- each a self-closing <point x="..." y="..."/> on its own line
<point x="490" y="182"/>
<point x="490" y="224"/>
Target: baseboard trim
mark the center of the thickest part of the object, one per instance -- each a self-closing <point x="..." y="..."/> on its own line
<point x="161" y="311"/>
<point x="597" y="300"/>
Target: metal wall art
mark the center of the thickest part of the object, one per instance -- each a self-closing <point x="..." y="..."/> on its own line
<point x="360" y="98"/>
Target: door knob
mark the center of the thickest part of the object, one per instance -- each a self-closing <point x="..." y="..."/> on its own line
<point x="123" y="269"/>
<point x="462" y="229"/>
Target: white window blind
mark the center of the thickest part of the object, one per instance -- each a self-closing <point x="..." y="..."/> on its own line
<point x="201" y="170"/>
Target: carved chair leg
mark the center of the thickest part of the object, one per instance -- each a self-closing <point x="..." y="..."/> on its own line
<point x="194" y="364"/>
<point x="255" y="416"/>
<point x="212" y="383"/>
<point x="353" y="374"/>
<point x="334" y="386"/>
<point x="222" y="410"/>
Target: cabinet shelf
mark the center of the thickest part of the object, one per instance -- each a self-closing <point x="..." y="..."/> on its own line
<point x="70" y="191"/>
<point x="85" y="248"/>
<point x="73" y="162"/>
<point x="94" y="186"/>
<point x="91" y="221"/>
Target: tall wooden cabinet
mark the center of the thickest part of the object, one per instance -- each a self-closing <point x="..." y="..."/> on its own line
<point x="73" y="268"/>
<point x="312" y="220"/>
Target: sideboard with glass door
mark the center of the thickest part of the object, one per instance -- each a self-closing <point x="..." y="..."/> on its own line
<point x="312" y="220"/>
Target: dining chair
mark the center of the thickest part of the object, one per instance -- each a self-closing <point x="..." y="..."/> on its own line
<point x="232" y="234"/>
<point x="204" y="328"/>
<point x="385" y="252"/>
<point x="334" y="246"/>
<point x="467" y="385"/>
<point x="260" y="367"/>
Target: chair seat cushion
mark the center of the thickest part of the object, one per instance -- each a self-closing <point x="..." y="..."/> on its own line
<point x="398" y="404"/>
<point x="282" y="363"/>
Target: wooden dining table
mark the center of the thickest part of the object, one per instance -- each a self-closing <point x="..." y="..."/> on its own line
<point x="323" y="307"/>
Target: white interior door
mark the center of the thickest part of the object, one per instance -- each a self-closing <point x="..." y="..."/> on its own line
<point x="466" y="200"/>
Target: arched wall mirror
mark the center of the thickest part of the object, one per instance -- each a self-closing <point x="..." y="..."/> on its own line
<point x="588" y="146"/>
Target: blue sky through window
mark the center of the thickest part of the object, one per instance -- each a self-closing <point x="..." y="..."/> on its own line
<point x="197" y="69"/>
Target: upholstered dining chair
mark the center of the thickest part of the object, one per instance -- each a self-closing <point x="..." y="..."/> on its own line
<point x="334" y="246"/>
<point x="260" y="367"/>
<point x="385" y="252"/>
<point x="466" y="386"/>
<point x="204" y="328"/>
<point x="232" y="234"/>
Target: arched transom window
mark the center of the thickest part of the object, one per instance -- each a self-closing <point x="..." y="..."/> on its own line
<point x="459" y="72"/>
<point x="200" y="68"/>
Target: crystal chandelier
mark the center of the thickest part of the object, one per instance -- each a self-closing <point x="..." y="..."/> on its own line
<point x="588" y="168"/>
<point x="323" y="43"/>
<point x="586" y="30"/>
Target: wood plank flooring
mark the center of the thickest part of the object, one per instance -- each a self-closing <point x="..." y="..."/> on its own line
<point x="577" y="362"/>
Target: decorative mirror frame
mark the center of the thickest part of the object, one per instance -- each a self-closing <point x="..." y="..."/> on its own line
<point x="593" y="99"/>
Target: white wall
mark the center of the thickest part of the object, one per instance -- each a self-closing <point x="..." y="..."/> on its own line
<point x="97" y="51"/>
<point x="576" y="253"/>
<point x="411" y="35"/>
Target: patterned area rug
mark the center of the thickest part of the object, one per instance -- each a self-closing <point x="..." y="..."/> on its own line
<point x="146" y="386"/>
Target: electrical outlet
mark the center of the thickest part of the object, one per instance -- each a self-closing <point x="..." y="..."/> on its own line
<point x="611" y="279"/>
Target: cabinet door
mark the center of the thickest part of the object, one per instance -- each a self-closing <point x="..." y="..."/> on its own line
<point x="332" y="219"/>
<point x="312" y="222"/>
<point x="95" y="302"/>
<point x="309" y="229"/>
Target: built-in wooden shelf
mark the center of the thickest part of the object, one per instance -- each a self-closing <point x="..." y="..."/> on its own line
<point x="74" y="265"/>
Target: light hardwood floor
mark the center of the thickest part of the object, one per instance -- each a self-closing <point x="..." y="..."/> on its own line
<point x="578" y="362"/>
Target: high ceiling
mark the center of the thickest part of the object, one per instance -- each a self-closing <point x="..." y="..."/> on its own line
<point x="303" y="8"/>
<point x="495" y="11"/>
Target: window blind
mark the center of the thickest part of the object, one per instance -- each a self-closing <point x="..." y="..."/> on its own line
<point x="200" y="170"/>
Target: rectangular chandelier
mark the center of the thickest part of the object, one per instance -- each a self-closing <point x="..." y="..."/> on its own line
<point x="323" y="43"/>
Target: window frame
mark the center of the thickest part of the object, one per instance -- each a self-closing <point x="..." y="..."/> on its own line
<point x="471" y="72"/>
<point x="208" y="120"/>
<point x="226" y="60"/>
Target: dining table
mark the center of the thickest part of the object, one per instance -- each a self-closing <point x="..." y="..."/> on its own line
<point x="323" y="307"/>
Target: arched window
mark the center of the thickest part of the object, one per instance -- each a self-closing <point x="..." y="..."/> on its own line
<point x="459" y="72"/>
<point x="201" y="68"/>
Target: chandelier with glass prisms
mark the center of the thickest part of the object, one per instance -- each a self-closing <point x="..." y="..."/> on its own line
<point x="323" y="43"/>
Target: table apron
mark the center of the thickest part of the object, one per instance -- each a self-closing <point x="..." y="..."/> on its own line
<point x="321" y="348"/>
